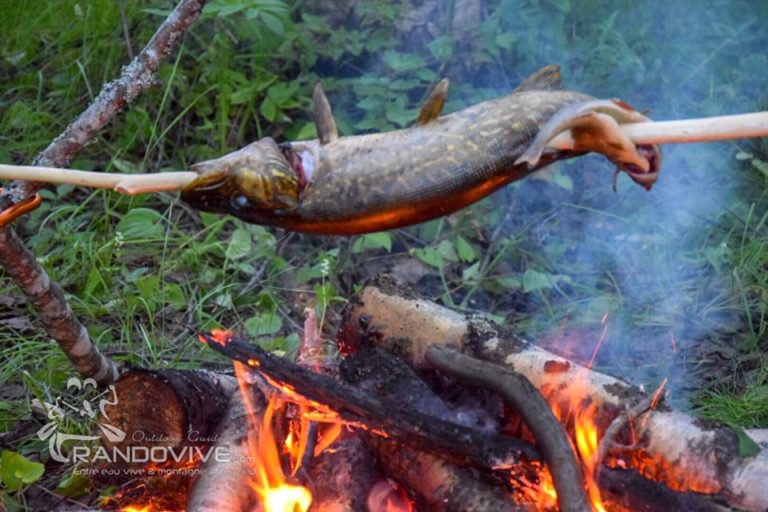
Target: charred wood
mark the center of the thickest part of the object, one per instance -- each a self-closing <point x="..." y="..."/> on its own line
<point x="341" y="478"/>
<point x="628" y="490"/>
<point x="530" y="404"/>
<point x="683" y="452"/>
<point x="462" y="445"/>
<point x="170" y="408"/>
<point x="442" y="486"/>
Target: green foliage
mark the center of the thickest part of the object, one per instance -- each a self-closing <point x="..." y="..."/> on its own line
<point x="17" y="471"/>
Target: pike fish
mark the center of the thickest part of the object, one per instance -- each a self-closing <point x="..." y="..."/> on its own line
<point x="357" y="184"/>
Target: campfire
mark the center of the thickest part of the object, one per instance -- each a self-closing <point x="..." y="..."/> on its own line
<point x="427" y="409"/>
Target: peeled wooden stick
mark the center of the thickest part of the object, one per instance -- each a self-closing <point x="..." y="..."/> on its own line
<point x="705" y="129"/>
<point x="128" y="184"/>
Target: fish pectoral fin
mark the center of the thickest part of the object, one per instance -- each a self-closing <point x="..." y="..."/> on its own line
<point x="547" y="78"/>
<point x="434" y="103"/>
<point x="324" y="121"/>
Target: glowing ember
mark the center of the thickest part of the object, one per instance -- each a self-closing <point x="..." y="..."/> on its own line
<point x="220" y="336"/>
<point x="131" y="508"/>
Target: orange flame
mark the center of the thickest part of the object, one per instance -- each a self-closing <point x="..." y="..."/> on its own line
<point x="585" y="438"/>
<point x="277" y="495"/>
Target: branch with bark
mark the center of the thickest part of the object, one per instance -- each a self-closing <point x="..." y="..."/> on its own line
<point x="653" y="132"/>
<point x="47" y="296"/>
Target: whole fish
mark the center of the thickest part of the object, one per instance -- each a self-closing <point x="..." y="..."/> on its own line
<point x="357" y="184"/>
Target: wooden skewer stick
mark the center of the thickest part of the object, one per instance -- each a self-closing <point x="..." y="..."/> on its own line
<point x="129" y="184"/>
<point x="705" y="129"/>
<point x="655" y="132"/>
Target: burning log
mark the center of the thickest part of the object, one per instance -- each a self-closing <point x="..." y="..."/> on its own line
<point x="674" y="448"/>
<point x="460" y="444"/>
<point x="442" y="486"/>
<point x="340" y="478"/>
<point x="170" y="408"/>
<point x="228" y="489"/>
<point x="527" y="400"/>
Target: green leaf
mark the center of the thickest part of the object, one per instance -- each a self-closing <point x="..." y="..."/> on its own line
<point x="174" y="295"/>
<point x="534" y="280"/>
<point x="403" y="61"/>
<point x="273" y="23"/>
<point x="268" y="109"/>
<point x="747" y="446"/>
<point x="325" y="293"/>
<point x="140" y="224"/>
<point x="125" y="166"/>
<point x="471" y="274"/>
<point x="240" y="244"/>
<point x="465" y="250"/>
<point x="428" y="255"/>
<point x="263" y="324"/>
<point x="760" y="165"/>
<point x="441" y="48"/>
<point x="16" y="471"/>
<point x="447" y="251"/>
<point x="148" y="287"/>
<point x="73" y="485"/>
<point x="381" y="240"/>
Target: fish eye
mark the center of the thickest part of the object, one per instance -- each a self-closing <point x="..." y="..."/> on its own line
<point x="240" y="201"/>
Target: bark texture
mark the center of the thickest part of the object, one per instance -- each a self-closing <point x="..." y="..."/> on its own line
<point x="226" y="486"/>
<point x="57" y="316"/>
<point x="171" y="408"/>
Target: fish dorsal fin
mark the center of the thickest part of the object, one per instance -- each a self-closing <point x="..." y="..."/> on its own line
<point x="433" y="105"/>
<point x="324" y="122"/>
<point x="547" y="78"/>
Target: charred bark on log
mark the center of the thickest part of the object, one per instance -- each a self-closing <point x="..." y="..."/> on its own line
<point x="442" y="486"/>
<point x="171" y="408"/>
<point x="535" y="411"/>
<point x="631" y="491"/>
<point x="460" y="444"/>
<point x="341" y="478"/>
<point x="685" y="453"/>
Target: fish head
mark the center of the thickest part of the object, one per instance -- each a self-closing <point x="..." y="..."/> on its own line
<point x="261" y="176"/>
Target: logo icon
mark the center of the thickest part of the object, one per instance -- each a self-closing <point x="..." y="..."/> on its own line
<point x="57" y="414"/>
